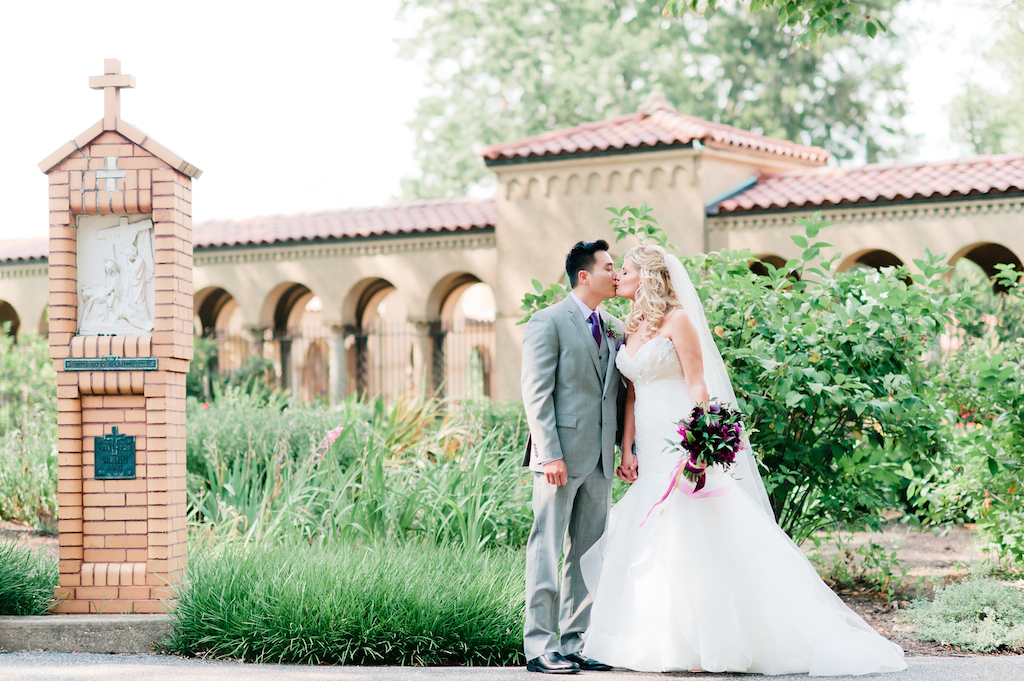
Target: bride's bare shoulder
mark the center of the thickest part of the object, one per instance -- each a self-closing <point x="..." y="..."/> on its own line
<point x="678" y="322"/>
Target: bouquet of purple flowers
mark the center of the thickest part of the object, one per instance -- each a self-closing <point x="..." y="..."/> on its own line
<point x="713" y="434"/>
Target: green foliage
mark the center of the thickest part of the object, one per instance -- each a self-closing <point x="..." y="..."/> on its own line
<point x="204" y="381"/>
<point x="828" y="370"/>
<point x="500" y="70"/>
<point x="27" y="580"/>
<point x="812" y="19"/>
<point x="543" y="297"/>
<point x="869" y="562"/>
<point x="405" y="473"/>
<point x="28" y="432"/>
<point x="337" y="604"/>
<point x="982" y="385"/>
<point x="27" y="380"/>
<point x="827" y="367"/>
<point x="980" y="614"/>
<point x="987" y="120"/>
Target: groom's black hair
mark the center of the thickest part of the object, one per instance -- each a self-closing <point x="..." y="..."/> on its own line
<point x="581" y="257"/>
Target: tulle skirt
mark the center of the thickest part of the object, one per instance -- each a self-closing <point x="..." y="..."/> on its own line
<point x="714" y="584"/>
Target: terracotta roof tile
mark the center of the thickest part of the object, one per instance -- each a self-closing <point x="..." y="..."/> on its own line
<point x="660" y="128"/>
<point x="822" y="187"/>
<point x="420" y="217"/>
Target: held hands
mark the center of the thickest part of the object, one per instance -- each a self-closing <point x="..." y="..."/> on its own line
<point x="627" y="470"/>
<point x="555" y="473"/>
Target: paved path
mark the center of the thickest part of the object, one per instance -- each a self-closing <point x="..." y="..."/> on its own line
<point x="94" y="667"/>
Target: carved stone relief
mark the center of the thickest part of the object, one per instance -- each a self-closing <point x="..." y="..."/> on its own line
<point x="115" y="275"/>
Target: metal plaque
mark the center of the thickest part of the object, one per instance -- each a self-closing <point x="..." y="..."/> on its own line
<point x="115" y="456"/>
<point x="111" y="363"/>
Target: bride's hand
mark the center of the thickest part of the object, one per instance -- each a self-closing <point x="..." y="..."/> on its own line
<point x="627" y="470"/>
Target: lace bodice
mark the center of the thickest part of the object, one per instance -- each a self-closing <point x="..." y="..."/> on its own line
<point x="655" y="360"/>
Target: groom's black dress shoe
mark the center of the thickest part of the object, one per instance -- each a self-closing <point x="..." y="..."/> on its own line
<point x="552" y="663"/>
<point x="587" y="664"/>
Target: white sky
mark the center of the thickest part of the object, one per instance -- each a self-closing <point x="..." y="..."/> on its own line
<point x="298" y="106"/>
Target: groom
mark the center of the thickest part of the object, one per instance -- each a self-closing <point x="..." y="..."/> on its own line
<point x="570" y="387"/>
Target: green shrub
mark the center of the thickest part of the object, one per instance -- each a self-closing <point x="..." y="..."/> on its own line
<point x="828" y="368"/>
<point x="982" y="386"/>
<point x="337" y="604"/>
<point x="979" y="614"/>
<point x="28" y="432"/>
<point x="27" y="580"/>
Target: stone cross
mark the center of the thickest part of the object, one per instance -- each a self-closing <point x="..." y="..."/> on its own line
<point x="110" y="174"/>
<point x="111" y="83"/>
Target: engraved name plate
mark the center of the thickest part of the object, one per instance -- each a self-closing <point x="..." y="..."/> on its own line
<point x="115" y="456"/>
<point x="111" y="363"/>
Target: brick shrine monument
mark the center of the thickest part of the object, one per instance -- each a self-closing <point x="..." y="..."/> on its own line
<point x="120" y="335"/>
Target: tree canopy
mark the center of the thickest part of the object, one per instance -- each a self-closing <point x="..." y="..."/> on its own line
<point x="987" y="120"/>
<point x="499" y="70"/>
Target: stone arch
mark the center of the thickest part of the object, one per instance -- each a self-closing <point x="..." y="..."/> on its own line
<point x="987" y="256"/>
<point x="513" y="187"/>
<point x="593" y="183"/>
<point x="876" y="258"/>
<point x="574" y="185"/>
<point x="464" y="341"/>
<point x="381" y="359"/>
<point x="291" y="312"/>
<point x="532" y="187"/>
<point x="363" y="298"/>
<point x="211" y="303"/>
<point x="552" y="186"/>
<point x="615" y="182"/>
<point x="636" y="180"/>
<point x="9" y="319"/>
<point x="658" y="179"/>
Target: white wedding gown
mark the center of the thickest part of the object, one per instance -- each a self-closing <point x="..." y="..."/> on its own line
<point x="709" y="583"/>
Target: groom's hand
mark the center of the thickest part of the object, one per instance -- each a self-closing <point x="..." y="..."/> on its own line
<point x="627" y="471"/>
<point x="555" y="472"/>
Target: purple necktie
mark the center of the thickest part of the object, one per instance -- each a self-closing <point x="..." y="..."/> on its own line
<point x="595" y="327"/>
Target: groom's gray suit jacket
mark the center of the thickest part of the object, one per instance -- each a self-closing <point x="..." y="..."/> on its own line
<point x="570" y="388"/>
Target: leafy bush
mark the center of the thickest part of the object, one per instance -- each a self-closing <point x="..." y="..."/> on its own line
<point x="28" y="432"/>
<point x="982" y="385"/>
<point x="337" y="604"/>
<point x="827" y="368"/>
<point x="980" y="614"/>
<point x="27" y="580"/>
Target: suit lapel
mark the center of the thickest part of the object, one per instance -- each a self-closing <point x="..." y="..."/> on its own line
<point x="583" y="326"/>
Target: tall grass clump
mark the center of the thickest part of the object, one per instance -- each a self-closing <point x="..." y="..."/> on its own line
<point x="339" y="604"/>
<point x="415" y="471"/>
<point x="27" y="580"/>
<point x="980" y="613"/>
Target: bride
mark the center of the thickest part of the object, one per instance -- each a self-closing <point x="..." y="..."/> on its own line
<point x="708" y="580"/>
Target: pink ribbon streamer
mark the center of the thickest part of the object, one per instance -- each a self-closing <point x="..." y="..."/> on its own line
<point x="696" y="493"/>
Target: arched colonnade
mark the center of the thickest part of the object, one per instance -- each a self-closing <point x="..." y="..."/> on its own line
<point x="394" y="331"/>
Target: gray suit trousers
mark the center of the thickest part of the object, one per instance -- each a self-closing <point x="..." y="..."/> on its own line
<point x="577" y="511"/>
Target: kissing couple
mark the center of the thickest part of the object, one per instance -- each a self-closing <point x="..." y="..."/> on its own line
<point x="708" y="580"/>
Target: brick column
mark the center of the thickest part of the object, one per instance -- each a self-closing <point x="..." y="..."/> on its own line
<point x="122" y="542"/>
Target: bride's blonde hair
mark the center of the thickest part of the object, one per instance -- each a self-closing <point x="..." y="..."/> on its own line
<point x="655" y="296"/>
